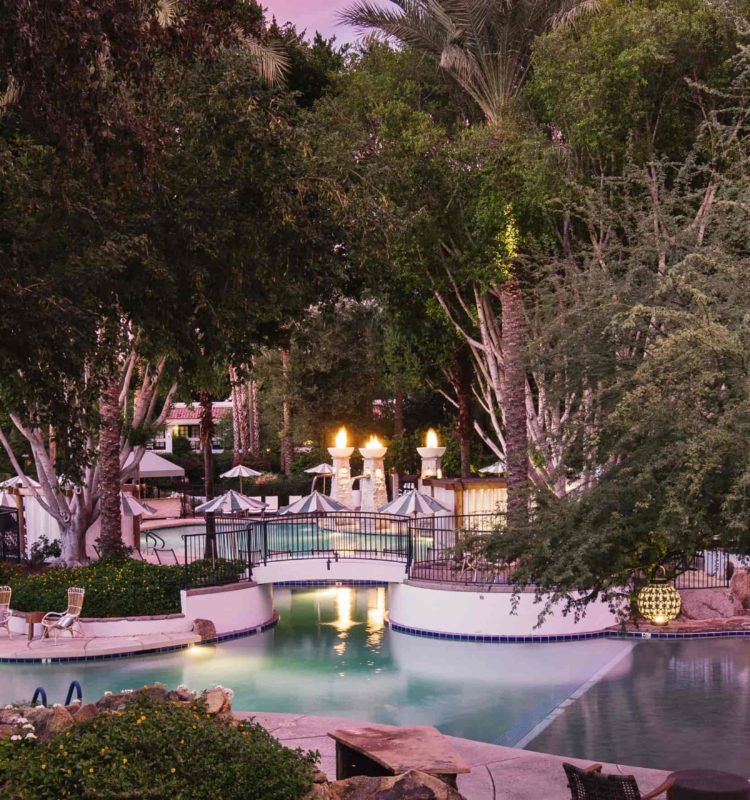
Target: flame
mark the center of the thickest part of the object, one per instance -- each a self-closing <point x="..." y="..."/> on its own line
<point x="341" y="437"/>
<point x="372" y="442"/>
<point x="432" y="438"/>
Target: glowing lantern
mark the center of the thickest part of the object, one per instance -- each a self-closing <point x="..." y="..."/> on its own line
<point x="341" y="437"/>
<point x="658" y="601"/>
<point x="431" y="439"/>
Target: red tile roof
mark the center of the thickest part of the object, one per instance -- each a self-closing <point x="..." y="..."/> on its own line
<point x="194" y="413"/>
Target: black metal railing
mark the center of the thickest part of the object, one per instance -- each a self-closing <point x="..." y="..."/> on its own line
<point x="10" y="535"/>
<point x="708" y="569"/>
<point x="215" y="559"/>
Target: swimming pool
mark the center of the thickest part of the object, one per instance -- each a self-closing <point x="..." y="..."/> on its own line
<point x="661" y="704"/>
<point x="172" y="536"/>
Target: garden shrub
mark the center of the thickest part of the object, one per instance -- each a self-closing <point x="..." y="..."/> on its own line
<point x="153" y="750"/>
<point x="115" y="587"/>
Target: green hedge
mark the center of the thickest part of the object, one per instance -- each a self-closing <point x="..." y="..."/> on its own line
<point x="117" y="587"/>
<point x="156" y="750"/>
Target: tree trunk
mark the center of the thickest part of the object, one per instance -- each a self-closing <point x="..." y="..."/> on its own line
<point x="514" y="379"/>
<point x="236" y="412"/>
<point x="73" y="540"/>
<point x="254" y="415"/>
<point x="244" y="422"/>
<point x="461" y="377"/>
<point x="398" y="412"/>
<point x="110" y="538"/>
<point x="287" y="438"/>
<point x="207" y="437"/>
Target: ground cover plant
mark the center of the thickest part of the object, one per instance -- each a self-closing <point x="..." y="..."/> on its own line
<point x="155" y="749"/>
<point x="115" y="587"/>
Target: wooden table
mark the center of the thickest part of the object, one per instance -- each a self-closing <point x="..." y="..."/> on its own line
<point x="34" y="618"/>
<point x="378" y="750"/>
<point x="708" y="784"/>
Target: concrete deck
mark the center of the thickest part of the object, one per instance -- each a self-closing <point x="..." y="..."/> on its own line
<point x="89" y="647"/>
<point x="497" y="773"/>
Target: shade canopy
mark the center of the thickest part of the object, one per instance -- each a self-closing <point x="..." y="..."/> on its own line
<point x="241" y="471"/>
<point x="231" y="503"/>
<point x="133" y="507"/>
<point x="313" y="503"/>
<point x="16" y="483"/>
<point x="155" y="466"/>
<point x="321" y="469"/>
<point x="498" y="468"/>
<point x="413" y="503"/>
<point x="7" y="500"/>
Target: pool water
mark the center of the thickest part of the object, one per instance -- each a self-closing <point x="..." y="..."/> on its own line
<point x="661" y="704"/>
<point x="172" y="536"/>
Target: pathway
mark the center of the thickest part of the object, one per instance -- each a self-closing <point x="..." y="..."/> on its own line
<point x="497" y="773"/>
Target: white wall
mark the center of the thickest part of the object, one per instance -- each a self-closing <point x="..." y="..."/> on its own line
<point x="232" y="608"/>
<point x="484" y="614"/>
<point x="315" y="569"/>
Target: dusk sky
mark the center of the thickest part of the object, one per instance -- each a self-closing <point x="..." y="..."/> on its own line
<point x="313" y="15"/>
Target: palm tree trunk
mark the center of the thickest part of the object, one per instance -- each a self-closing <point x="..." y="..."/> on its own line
<point x="516" y="436"/>
<point x="398" y="412"/>
<point x="110" y="538"/>
<point x="287" y="438"/>
<point x="461" y="377"/>
<point x="254" y="416"/>
<point x="207" y="438"/>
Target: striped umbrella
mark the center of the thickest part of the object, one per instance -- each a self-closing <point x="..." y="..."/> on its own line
<point x="413" y="503"/>
<point x="230" y="503"/>
<point x="16" y="483"/>
<point x="314" y="503"/>
<point x="318" y="471"/>
<point x="241" y="471"/>
<point x="498" y="468"/>
<point x="133" y="507"/>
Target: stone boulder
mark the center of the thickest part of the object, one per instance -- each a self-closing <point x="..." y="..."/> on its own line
<point x="412" y="785"/>
<point x="205" y="629"/>
<point x="740" y="588"/>
<point x="84" y="713"/>
<point x="48" y="722"/>
<point x="218" y="702"/>
<point x="117" y="701"/>
<point x="709" y="604"/>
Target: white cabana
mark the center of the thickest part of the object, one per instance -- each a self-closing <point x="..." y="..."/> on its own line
<point x="154" y="466"/>
<point x="230" y="503"/>
<point x="133" y="507"/>
<point x="17" y="483"/>
<point x="7" y="500"/>
<point x="498" y="468"/>
<point x="314" y="503"/>
<point x="413" y="503"/>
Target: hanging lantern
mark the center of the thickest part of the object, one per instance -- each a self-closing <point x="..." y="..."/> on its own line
<point x="658" y="601"/>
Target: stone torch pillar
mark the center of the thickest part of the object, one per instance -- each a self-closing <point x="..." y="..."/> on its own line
<point x="431" y="455"/>
<point x="374" y="489"/>
<point x="341" y="483"/>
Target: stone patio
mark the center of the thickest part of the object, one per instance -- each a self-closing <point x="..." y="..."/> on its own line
<point x="497" y="773"/>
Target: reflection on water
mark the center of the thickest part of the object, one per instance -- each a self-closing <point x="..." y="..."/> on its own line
<point x="681" y="704"/>
<point x="662" y="704"/>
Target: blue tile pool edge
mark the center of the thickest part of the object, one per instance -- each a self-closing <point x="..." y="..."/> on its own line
<point x="562" y="637"/>
<point x="224" y="637"/>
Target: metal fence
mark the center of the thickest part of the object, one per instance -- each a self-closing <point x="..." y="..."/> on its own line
<point x="709" y="569"/>
<point x="217" y="558"/>
<point x="10" y="535"/>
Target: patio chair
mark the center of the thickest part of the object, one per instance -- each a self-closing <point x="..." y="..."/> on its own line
<point x="166" y="556"/>
<point x="272" y="503"/>
<point x="294" y="497"/>
<point x="57" y="622"/>
<point x="589" y="784"/>
<point x="5" y="613"/>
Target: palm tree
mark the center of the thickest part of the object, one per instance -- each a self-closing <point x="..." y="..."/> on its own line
<point x="486" y="47"/>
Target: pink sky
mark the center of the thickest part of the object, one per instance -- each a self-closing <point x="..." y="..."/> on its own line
<point x="313" y="15"/>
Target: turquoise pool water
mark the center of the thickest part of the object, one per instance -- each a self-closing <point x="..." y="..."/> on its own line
<point x="660" y="704"/>
<point x="172" y="536"/>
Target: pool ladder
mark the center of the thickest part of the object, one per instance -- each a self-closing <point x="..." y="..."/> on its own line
<point x="40" y="694"/>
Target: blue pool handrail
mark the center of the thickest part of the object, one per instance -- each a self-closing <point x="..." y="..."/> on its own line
<point x="39" y="693"/>
<point x="74" y="686"/>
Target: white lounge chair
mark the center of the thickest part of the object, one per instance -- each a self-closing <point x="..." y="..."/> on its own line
<point x="272" y="503"/>
<point x="5" y="615"/>
<point x="294" y="497"/>
<point x="57" y="622"/>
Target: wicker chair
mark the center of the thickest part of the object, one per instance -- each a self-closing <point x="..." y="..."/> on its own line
<point x="5" y="614"/>
<point x="590" y="784"/>
<point x="57" y="622"/>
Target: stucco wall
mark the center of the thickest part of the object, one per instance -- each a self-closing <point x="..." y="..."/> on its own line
<point x="316" y="569"/>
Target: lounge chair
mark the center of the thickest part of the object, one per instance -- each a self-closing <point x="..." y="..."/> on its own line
<point x="590" y="784"/>
<point x="57" y="622"/>
<point x="272" y="503"/>
<point x="5" y="613"/>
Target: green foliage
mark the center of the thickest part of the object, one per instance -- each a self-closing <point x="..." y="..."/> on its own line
<point x="153" y="750"/>
<point x="115" y="587"/>
<point x="402" y="453"/>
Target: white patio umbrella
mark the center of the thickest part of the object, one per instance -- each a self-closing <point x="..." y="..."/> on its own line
<point x="133" y="507"/>
<point x="241" y="471"/>
<point x="230" y="503"/>
<point x="498" y="468"/>
<point x="315" y="502"/>
<point x="16" y="483"/>
<point x="413" y="503"/>
<point x="318" y="471"/>
<point x="7" y="500"/>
